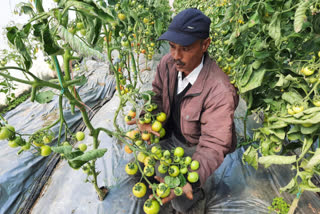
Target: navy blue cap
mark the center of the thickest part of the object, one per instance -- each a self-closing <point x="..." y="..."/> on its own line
<point x="187" y="27"/>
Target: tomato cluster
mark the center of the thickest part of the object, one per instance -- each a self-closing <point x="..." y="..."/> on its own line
<point x="176" y="169"/>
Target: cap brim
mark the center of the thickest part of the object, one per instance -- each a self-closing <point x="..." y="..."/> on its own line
<point x="178" y="38"/>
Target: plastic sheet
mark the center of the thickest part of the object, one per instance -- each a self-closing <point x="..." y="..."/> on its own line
<point x="233" y="188"/>
<point x="19" y="173"/>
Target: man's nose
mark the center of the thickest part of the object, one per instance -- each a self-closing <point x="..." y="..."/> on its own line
<point x="177" y="55"/>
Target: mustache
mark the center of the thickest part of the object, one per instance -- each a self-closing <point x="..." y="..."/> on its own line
<point x="179" y="62"/>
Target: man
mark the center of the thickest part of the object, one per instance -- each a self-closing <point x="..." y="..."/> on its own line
<point x="199" y="100"/>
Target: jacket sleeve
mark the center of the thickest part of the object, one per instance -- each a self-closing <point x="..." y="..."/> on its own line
<point x="157" y="85"/>
<point x="216" y="133"/>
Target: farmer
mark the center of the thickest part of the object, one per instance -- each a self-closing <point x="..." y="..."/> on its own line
<point x="199" y="101"/>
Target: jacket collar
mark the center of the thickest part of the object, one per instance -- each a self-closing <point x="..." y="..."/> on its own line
<point x="198" y="85"/>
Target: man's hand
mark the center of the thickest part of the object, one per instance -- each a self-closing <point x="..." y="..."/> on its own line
<point x="187" y="190"/>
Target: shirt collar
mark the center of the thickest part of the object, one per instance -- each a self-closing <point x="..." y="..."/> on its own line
<point x="192" y="77"/>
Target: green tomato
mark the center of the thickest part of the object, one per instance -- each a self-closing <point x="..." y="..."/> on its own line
<point x="121" y="16"/>
<point x="173" y="171"/>
<point x="187" y="160"/>
<point x="139" y="190"/>
<point x="167" y="154"/>
<point x="151" y="206"/>
<point x="194" y="165"/>
<point x="80" y="136"/>
<point x="155" y="149"/>
<point x="13" y="144"/>
<point x="316" y="102"/>
<point x="82" y="147"/>
<point x="184" y="170"/>
<point x="148" y="170"/>
<point x="66" y="143"/>
<point x="138" y="142"/>
<point x="157" y="155"/>
<point x="149" y="161"/>
<point x="149" y="108"/>
<point x="162" y="132"/>
<point x="142" y="121"/>
<point x="154" y="106"/>
<point x="163" y="190"/>
<point x="307" y="71"/>
<point x="83" y="32"/>
<point x="147" y="119"/>
<point x="162" y="168"/>
<point x="80" y="25"/>
<point x="179" y="151"/>
<point x="47" y="139"/>
<point x="178" y="191"/>
<point x="131" y="168"/>
<point x="161" y="117"/>
<point x="290" y="111"/>
<point x="12" y="132"/>
<point x="45" y="150"/>
<point x="176" y="159"/>
<point x="297" y="108"/>
<point x="5" y="133"/>
<point x="141" y="157"/>
<point x="26" y="147"/>
<point x="165" y="161"/>
<point x="127" y="118"/>
<point x="156" y="126"/>
<point x="193" y="177"/>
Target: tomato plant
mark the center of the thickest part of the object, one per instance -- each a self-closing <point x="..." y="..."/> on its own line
<point x="96" y="28"/>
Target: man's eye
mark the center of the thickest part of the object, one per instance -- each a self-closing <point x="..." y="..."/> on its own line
<point x="186" y="49"/>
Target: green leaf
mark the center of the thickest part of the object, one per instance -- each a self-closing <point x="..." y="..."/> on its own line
<point x="277" y="159"/>
<point x="307" y="143"/>
<point x="292" y="97"/>
<point x="254" y="19"/>
<point x="246" y="75"/>
<point x="308" y="188"/>
<point x="159" y="27"/>
<point x="309" y="130"/>
<point x="44" y="97"/>
<point x="145" y="95"/>
<point x="79" y="161"/>
<point x="73" y="154"/>
<point x="275" y="28"/>
<point x="251" y="157"/>
<point x="89" y="10"/>
<point x="78" y="45"/>
<point x="82" y="80"/>
<point x="315" y="160"/>
<point x="21" y="47"/>
<point x="172" y="182"/>
<point x="254" y="82"/>
<point x="25" y="8"/>
<point x="62" y="149"/>
<point x="291" y="187"/>
<point x="300" y="16"/>
<point x="49" y="44"/>
<point x="182" y="179"/>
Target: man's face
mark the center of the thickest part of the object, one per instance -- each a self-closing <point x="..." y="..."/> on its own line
<point x="189" y="57"/>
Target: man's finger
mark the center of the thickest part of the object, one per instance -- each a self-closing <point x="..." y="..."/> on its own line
<point x="167" y="199"/>
<point x="158" y="178"/>
<point x="189" y="195"/>
<point x="131" y="122"/>
<point x="155" y="133"/>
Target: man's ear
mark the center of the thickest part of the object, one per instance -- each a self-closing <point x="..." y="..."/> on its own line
<point x="205" y="44"/>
